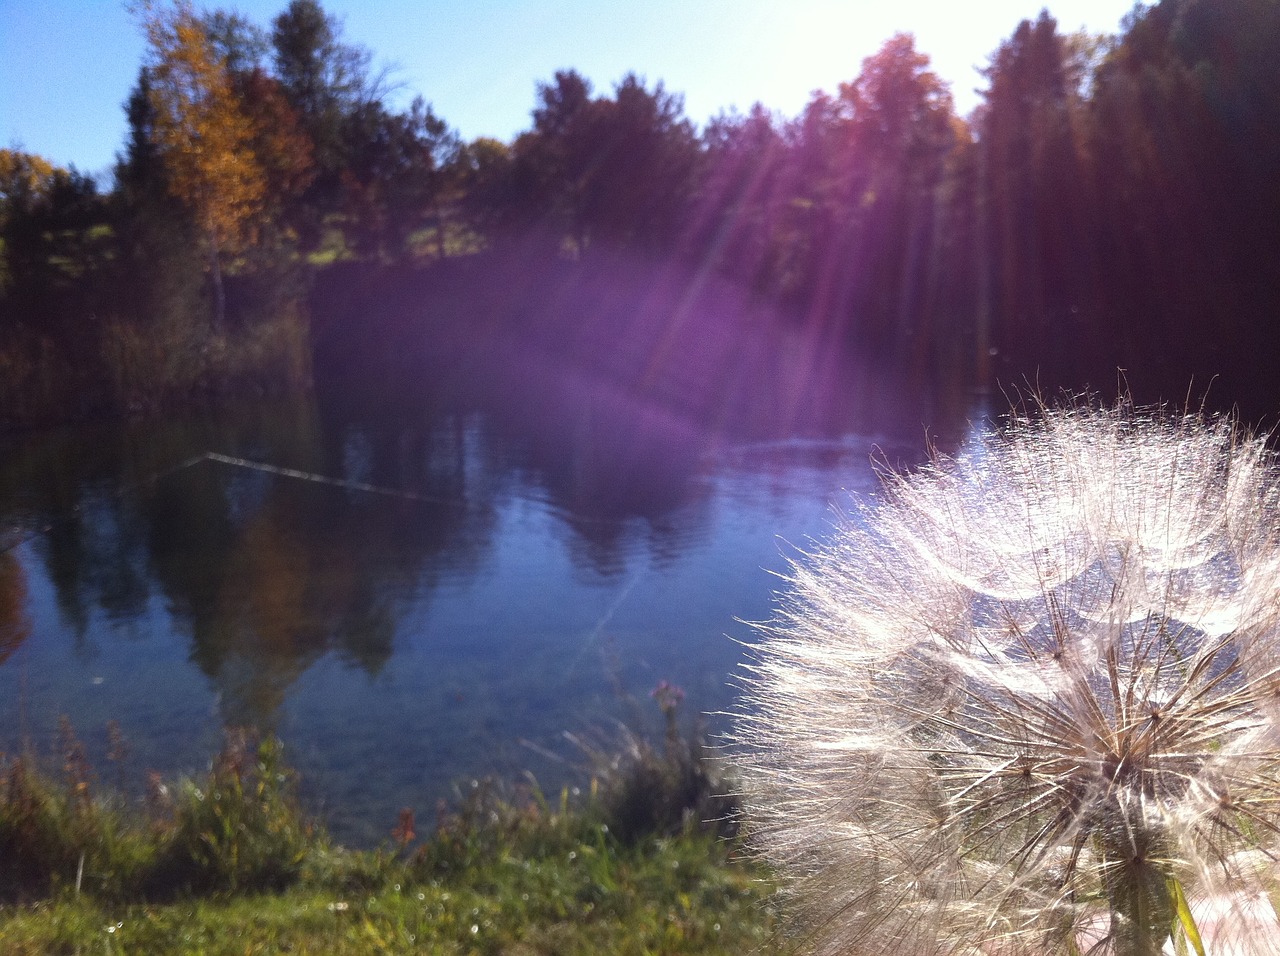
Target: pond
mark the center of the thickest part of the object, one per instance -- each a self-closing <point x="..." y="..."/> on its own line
<point x="481" y="568"/>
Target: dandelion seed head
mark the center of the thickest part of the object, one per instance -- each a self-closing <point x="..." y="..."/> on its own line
<point x="1031" y="697"/>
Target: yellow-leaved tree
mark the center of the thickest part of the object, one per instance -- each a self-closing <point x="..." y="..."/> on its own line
<point x="22" y="174"/>
<point x="203" y="134"/>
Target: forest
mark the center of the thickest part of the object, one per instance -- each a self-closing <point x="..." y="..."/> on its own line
<point x="1113" y="203"/>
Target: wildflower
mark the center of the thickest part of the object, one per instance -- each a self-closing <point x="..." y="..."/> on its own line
<point x="403" y="832"/>
<point x="1029" y="703"/>
<point x="158" y="799"/>
<point x="668" y="695"/>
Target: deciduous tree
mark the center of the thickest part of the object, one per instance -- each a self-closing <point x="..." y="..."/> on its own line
<point x="202" y="133"/>
<point x="55" y="243"/>
<point x="331" y="86"/>
<point x="24" y="179"/>
<point x="394" y="176"/>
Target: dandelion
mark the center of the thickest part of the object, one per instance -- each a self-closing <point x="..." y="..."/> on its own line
<point x="1028" y="704"/>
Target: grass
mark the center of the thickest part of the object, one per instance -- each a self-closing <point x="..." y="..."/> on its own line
<point x="126" y="366"/>
<point x="226" y="863"/>
<point x="170" y="361"/>
<point x="673" y="898"/>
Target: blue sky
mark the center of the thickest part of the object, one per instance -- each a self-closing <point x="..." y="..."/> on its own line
<point x="66" y="66"/>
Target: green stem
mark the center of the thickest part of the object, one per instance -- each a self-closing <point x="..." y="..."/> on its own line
<point x="1143" y="909"/>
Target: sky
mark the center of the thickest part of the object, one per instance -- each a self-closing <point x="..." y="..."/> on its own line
<point x="66" y="66"/>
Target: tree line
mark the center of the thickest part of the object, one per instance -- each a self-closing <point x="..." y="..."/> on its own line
<point x="1111" y="202"/>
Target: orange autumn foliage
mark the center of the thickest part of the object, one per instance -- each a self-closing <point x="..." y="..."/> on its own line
<point x="202" y="131"/>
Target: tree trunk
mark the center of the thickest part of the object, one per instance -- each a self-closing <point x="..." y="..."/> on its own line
<point x="219" y="295"/>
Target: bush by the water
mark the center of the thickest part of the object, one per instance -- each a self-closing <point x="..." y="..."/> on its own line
<point x="235" y="829"/>
<point x="227" y="862"/>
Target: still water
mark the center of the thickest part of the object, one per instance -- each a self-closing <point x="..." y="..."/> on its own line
<point x="417" y="585"/>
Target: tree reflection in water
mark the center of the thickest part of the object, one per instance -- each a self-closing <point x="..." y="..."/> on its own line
<point x="544" y="536"/>
<point x="15" y="626"/>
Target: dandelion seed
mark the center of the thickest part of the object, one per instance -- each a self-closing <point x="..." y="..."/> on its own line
<point x="1029" y="704"/>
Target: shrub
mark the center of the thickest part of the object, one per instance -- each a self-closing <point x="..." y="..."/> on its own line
<point x="235" y="830"/>
<point x="238" y="830"/>
<point x="64" y="837"/>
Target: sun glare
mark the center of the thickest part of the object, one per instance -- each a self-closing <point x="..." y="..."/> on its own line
<point x="790" y="51"/>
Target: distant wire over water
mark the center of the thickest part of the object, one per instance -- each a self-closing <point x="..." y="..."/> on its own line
<point x="14" y="537"/>
<point x="324" y="479"/>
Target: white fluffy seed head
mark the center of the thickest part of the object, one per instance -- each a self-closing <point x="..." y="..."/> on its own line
<point x="1031" y="698"/>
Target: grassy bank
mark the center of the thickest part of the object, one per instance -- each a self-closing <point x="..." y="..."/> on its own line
<point x="645" y="861"/>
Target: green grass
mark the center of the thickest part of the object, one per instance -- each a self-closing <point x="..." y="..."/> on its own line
<point x="680" y="895"/>
<point x="227" y="864"/>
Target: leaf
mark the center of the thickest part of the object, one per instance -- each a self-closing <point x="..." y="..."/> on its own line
<point x="1185" y="919"/>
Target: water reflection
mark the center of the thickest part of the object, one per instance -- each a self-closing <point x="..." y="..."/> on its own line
<point x="15" y="627"/>
<point x="483" y="553"/>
